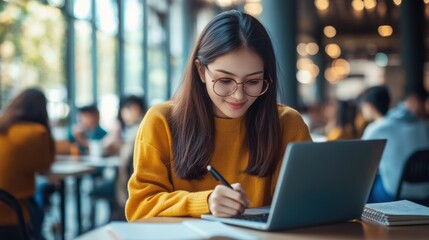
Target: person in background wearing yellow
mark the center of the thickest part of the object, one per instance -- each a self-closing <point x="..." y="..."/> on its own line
<point x="225" y="115"/>
<point x="26" y="147"/>
<point x="345" y="127"/>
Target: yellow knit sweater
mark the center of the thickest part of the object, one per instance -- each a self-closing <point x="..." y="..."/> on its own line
<point x="25" y="149"/>
<point x="155" y="190"/>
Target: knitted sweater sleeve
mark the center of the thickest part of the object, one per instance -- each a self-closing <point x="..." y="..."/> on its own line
<point x="151" y="191"/>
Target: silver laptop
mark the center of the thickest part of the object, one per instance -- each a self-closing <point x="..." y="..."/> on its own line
<point x="319" y="183"/>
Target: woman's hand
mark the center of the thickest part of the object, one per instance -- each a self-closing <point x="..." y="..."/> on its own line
<point x="227" y="202"/>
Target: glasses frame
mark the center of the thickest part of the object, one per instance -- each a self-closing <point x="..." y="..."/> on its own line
<point x="214" y="81"/>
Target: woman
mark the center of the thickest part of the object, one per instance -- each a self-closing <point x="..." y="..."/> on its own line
<point x="225" y="115"/>
<point x="26" y="148"/>
<point x="345" y="125"/>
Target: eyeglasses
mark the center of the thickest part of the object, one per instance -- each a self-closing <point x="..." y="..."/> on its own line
<point x="225" y="87"/>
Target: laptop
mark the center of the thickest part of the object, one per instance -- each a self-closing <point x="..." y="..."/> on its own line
<point x="318" y="183"/>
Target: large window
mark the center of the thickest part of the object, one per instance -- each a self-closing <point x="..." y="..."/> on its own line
<point x="133" y="47"/>
<point x="157" y="52"/>
<point x="83" y="64"/>
<point x="32" y="51"/>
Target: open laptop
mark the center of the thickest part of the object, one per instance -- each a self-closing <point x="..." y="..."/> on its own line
<point x="318" y="183"/>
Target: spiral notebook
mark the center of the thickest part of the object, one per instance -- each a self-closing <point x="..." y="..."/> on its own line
<point x="402" y="212"/>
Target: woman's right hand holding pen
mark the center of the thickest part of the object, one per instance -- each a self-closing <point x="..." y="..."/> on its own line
<point x="227" y="202"/>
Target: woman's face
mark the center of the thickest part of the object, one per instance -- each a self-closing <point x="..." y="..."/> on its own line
<point x="241" y="65"/>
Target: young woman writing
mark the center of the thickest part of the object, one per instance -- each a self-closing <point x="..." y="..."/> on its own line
<point x="224" y="115"/>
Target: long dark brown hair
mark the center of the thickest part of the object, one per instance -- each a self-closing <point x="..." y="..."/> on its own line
<point x="192" y="118"/>
<point x="28" y="106"/>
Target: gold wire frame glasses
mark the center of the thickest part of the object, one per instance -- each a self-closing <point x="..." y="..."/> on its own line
<point x="225" y="86"/>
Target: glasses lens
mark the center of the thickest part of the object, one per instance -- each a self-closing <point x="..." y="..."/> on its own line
<point x="224" y="87"/>
<point x="253" y="88"/>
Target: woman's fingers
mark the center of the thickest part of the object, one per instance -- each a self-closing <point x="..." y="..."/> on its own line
<point x="237" y="187"/>
<point x="226" y="202"/>
<point x="226" y="207"/>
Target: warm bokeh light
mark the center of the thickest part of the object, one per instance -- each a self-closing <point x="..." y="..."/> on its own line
<point x="397" y="2"/>
<point x="330" y="76"/>
<point x="303" y="63"/>
<point x="338" y="70"/>
<point x="329" y="31"/>
<point x="358" y="5"/>
<point x="426" y="1"/>
<point x="314" y="70"/>
<point x="224" y="3"/>
<point x="300" y="49"/>
<point x="385" y="30"/>
<point x="253" y="8"/>
<point x="304" y="77"/>
<point x="307" y="70"/>
<point x="321" y="4"/>
<point x="333" y="50"/>
<point x="370" y="4"/>
<point x="341" y="67"/>
<point x="312" y="48"/>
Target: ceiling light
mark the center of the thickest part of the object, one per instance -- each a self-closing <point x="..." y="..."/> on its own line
<point x="370" y="4"/>
<point x="385" y="30"/>
<point x="329" y="31"/>
<point x="397" y="2"/>
<point x="312" y="48"/>
<point x="358" y="5"/>
<point x="321" y="4"/>
<point x="304" y="77"/>
<point x="303" y="63"/>
<point x="333" y="50"/>
<point x="300" y="49"/>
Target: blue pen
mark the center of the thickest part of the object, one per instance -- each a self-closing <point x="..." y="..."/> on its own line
<point x="217" y="176"/>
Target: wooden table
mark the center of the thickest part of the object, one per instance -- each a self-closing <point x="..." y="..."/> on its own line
<point x="59" y="172"/>
<point x="348" y="230"/>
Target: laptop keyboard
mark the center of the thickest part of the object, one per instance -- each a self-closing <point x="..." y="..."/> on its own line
<point x="253" y="217"/>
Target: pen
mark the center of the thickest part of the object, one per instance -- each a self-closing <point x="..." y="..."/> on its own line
<point x="217" y="176"/>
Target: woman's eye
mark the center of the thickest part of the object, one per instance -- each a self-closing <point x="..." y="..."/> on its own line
<point x="226" y="81"/>
<point x="253" y="82"/>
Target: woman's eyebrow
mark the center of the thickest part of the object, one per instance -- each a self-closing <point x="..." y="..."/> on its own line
<point x="230" y="73"/>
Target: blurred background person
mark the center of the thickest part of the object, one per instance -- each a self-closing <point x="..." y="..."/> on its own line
<point x="405" y="132"/>
<point x="26" y="148"/>
<point x="120" y="141"/>
<point x="374" y="104"/>
<point x="87" y="128"/>
<point x="344" y="127"/>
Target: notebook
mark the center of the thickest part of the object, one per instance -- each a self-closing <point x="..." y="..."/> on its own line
<point x="401" y="212"/>
<point x="186" y="230"/>
<point x="319" y="183"/>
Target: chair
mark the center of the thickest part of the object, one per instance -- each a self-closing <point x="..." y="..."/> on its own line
<point x="416" y="170"/>
<point x="13" y="203"/>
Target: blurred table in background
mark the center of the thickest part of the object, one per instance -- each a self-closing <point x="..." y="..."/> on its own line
<point x="60" y="170"/>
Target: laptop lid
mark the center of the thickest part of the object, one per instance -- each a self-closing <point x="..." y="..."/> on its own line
<point x="320" y="183"/>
